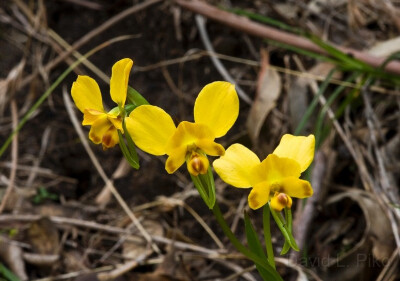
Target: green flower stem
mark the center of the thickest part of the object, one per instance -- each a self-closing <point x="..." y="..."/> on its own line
<point x="281" y="223"/>
<point x="239" y="246"/>
<point x="289" y="219"/>
<point x="267" y="235"/>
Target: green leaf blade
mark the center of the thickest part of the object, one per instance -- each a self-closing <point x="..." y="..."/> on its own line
<point x="255" y="246"/>
<point x="135" y="98"/>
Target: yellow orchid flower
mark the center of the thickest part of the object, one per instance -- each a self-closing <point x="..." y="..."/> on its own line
<point x="215" y="111"/>
<point x="277" y="176"/>
<point x="87" y="97"/>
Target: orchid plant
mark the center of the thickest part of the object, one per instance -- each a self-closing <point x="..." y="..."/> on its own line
<point x="274" y="181"/>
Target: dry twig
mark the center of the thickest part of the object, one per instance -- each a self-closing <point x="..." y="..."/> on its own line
<point x="14" y="157"/>
<point x="256" y="29"/>
<point x="218" y="65"/>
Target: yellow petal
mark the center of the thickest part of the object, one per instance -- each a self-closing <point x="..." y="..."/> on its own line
<point x="210" y="147"/>
<point x="259" y="195"/>
<point x="274" y="169"/>
<point x="217" y="106"/>
<point x="150" y="128"/>
<point x="236" y="165"/>
<point x="90" y="116"/>
<point x="119" y="80"/>
<point x="86" y="94"/>
<point x="296" y="187"/>
<point x="175" y="160"/>
<point x="187" y="134"/>
<point x="99" y="128"/>
<point x="300" y="149"/>
<point x="110" y="138"/>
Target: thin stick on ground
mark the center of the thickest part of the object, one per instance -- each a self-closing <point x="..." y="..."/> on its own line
<point x="204" y="225"/>
<point x="62" y="221"/>
<point x="14" y="156"/>
<point x="200" y="21"/>
<point x="76" y="273"/>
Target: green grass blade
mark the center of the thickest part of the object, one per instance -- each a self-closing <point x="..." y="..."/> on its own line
<point x="267" y="235"/>
<point x="274" y="275"/>
<point x="318" y="128"/>
<point x="348" y="61"/>
<point x="314" y="103"/>
<point x="300" y="51"/>
<point x="135" y="98"/>
<point x="267" y="20"/>
<point x="255" y="246"/>
<point x="7" y="274"/>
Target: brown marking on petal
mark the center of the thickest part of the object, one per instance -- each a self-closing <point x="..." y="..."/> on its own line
<point x="220" y="151"/>
<point x="107" y="138"/>
<point x="170" y="167"/>
<point x="94" y="138"/>
<point x="108" y="141"/>
<point x="253" y="202"/>
<point x="308" y="190"/>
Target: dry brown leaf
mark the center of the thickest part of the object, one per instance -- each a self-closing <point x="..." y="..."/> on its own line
<point x="134" y="250"/>
<point x="316" y="6"/>
<point x="43" y="236"/>
<point x="377" y="222"/>
<point x="269" y="87"/>
<point x="385" y="48"/>
<point x="357" y="262"/>
<point x="173" y="267"/>
<point x="73" y="260"/>
<point x="288" y="9"/>
<point x="357" y="19"/>
<point x="298" y="100"/>
<point x="150" y="277"/>
<point x="104" y="197"/>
